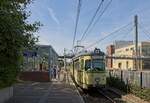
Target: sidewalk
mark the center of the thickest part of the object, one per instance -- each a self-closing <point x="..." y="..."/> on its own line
<point x="64" y="91"/>
<point x="57" y="91"/>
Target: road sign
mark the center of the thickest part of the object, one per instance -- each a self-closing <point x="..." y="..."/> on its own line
<point x="30" y="54"/>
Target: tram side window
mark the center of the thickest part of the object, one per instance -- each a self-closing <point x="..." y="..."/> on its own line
<point x="87" y="64"/>
<point x="82" y="64"/>
<point x="77" y="65"/>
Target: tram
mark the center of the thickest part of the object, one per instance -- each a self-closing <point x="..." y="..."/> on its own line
<point x="88" y="69"/>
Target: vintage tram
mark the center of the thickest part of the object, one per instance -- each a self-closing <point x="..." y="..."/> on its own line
<point x="88" y="69"/>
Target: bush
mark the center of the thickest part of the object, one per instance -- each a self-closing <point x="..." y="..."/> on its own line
<point x="117" y="83"/>
<point x="143" y="93"/>
<point x="8" y="76"/>
<point x="16" y="35"/>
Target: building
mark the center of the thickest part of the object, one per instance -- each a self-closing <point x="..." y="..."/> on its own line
<point x="121" y="43"/>
<point x="110" y="51"/>
<point x="47" y="52"/>
<point x="129" y="51"/>
<point x="44" y="57"/>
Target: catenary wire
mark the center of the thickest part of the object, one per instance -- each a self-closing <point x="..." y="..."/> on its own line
<point x="147" y="33"/>
<point x="96" y="21"/>
<point x="92" y="19"/>
<point x="77" y="20"/>
<point x="110" y="34"/>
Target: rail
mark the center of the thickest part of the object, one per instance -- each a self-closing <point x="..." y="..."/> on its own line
<point x="106" y="96"/>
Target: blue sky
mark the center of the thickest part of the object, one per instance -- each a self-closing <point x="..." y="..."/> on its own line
<point x="58" y="18"/>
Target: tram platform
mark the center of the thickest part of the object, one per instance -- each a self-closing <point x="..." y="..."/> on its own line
<point x="60" y="90"/>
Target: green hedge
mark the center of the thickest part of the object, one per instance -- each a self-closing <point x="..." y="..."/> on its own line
<point x="7" y="76"/>
<point x="117" y="83"/>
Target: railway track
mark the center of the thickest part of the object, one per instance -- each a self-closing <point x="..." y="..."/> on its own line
<point x="111" y="96"/>
<point x="93" y="96"/>
<point x="107" y="96"/>
<point x="99" y="95"/>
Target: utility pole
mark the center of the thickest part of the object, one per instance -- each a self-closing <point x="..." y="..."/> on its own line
<point x="49" y="58"/>
<point x="136" y="41"/>
<point x="64" y="58"/>
<point x="78" y="47"/>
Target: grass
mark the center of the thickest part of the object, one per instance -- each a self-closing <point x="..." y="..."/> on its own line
<point x="143" y="93"/>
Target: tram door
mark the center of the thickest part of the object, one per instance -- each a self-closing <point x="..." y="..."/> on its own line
<point x="82" y="71"/>
<point x="73" y="69"/>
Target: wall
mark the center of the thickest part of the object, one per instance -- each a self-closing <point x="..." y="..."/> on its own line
<point x="35" y="76"/>
<point x="6" y="94"/>
<point x="139" y="78"/>
<point x="125" y="64"/>
<point x="110" y="52"/>
<point x="145" y="51"/>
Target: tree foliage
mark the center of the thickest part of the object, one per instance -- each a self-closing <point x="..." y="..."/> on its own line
<point x="16" y="34"/>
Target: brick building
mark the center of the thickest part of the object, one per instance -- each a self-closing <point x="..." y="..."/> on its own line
<point x="110" y="52"/>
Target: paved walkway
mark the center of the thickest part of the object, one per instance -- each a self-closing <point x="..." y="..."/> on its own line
<point x="57" y="91"/>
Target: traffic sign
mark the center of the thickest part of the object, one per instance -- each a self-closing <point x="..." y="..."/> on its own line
<point x="29" y="53"/>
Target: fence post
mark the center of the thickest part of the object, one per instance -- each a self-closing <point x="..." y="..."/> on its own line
<point x="141" y="79"/>
<point x="127" y="81"/>
<point x="121" y="75"/>
<point x="109" y="74"/>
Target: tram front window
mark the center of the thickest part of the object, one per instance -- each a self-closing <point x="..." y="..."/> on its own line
<point x="98" y="64"/>
<point x="95" y="64"/>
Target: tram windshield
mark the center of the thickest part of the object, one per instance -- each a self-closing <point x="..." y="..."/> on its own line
<point x="95" y="64"/>
<point x="98" y="64"/>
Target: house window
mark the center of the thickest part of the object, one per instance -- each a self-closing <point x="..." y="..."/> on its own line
<point x="119" y="65"/>
<point x="131" y="48"/>
<point x="127" y="65"/>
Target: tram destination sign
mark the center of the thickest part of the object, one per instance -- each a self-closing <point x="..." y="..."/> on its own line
<point x="97" y="57"/>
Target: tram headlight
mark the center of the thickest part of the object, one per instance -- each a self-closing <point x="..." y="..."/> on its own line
<point x="97" y="79"/>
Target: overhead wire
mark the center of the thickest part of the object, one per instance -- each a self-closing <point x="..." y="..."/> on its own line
<point x="96" y="21"/>
<point x="109" y="35"/>
<point x="147" y="33"/>
<point x="129" y="31"/>
<point x="123" y="36"/>
<point x="77" y="20"/>
<point x="144" y="28"/>
<point x="92" y="19"/>
<point x="100" y="16"/>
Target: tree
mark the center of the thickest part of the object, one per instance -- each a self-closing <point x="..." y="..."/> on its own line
<point x="16" y="34"/>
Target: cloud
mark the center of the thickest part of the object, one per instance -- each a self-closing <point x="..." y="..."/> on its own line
<point x="53" y="16"/>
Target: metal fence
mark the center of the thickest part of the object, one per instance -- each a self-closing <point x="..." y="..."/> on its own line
<point x="139" y="78"/>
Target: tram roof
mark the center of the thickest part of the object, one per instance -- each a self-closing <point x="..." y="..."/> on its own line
<point x="90" y="53"/>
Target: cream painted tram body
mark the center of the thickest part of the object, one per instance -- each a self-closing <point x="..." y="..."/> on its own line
<point x="88" y="69"/>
